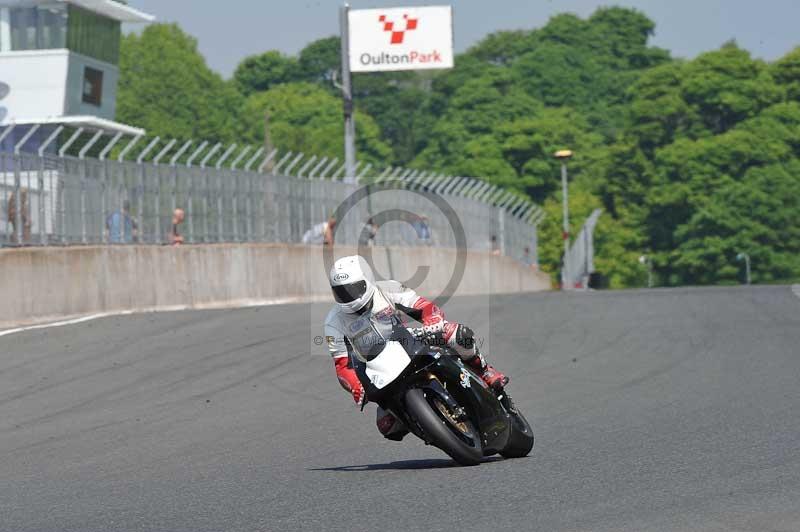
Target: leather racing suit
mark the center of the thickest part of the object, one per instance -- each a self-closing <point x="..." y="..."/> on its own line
<point x="401" y="298"/>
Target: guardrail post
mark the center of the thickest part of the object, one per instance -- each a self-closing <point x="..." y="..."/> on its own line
<point x="207" y="181"/>
<point x="18" y="203"/>
<point x="42" y="212"/>
<point x="104" y="234"/>
<point x="248" y="209"/>
<point x="221" y="194"/>
<point x="236" y="176"/>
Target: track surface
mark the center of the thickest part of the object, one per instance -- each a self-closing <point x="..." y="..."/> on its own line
<point x="653" y="410"/>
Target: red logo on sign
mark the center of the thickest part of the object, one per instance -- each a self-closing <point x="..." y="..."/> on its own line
<point x="398" y="34"/>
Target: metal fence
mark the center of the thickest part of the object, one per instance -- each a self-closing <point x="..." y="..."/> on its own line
<point x="244" y="195"/>
<point x="581" y="254"/>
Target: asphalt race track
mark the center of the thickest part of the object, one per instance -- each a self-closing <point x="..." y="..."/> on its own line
<point x="653" y="410"/>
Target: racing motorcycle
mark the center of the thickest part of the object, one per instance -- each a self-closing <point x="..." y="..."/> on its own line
<point x="438" y="398"/>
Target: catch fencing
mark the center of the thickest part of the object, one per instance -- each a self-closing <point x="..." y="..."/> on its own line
<point x="246" y="195"/>
<point x="581" y="254"/>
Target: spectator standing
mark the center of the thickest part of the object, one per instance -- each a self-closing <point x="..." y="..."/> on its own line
<point x="527" y="258"/>
<point x="174" y="236"/>
<point x="120" y="227"/>
<point x="329" y="232"/>
<point x="322" y="233"/>
<point x="369" y="233"/>
<point x="423" y="229"/>
<point x="495" y="245"/>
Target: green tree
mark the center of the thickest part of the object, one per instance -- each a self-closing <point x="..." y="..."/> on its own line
<point x="501" y="48"/>
<point x="396" y="101"/>
<point x="476" y="109"/>
<point x="657" y="112"/>
<point x="706" y="199"/>
<point x="320" y="61"/>
<point x="622" y="35"/>
<point x="756" y="215"/>
<point x="786" y="72"/>
<point x="306" y="118"/>
<point x="727" y="86"/>
<point x="529" y="145"/>
<point x="261" y="72"/>
<point x="166" y="87"/>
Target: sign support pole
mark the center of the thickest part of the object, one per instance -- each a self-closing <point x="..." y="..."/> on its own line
<point x="347" y="94"/>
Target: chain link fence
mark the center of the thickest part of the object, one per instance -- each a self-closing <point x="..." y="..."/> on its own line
<point x="49" y="198"/>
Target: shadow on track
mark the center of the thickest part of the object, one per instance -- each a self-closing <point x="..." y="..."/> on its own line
<point x="400" y="465"/>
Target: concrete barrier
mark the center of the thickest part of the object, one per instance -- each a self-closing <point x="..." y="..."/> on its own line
<point x="40" y="284"/>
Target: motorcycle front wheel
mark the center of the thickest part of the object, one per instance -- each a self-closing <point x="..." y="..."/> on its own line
<point x="520" y="442"/>
<point x="444" y="426"/>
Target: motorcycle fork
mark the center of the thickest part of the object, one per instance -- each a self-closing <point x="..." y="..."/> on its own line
<point x="397" y="407"/>
<point x="444" y="398"/>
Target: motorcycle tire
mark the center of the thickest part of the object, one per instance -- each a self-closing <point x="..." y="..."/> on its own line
<point x="520" y="442"/>
<point x="439" y="431"/>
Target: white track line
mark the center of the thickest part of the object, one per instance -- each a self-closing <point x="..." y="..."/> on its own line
<point x="796" y="289"/>
<point x="231" y="305"/>
<point x="63" y="323"/>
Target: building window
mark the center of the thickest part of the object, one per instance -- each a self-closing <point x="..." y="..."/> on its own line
<point x="23" y="28"/>
<point x="38" y="28"/>
<point x="93" y="35"/>
<point x="61" y="25"/>
<point x="93" y="86"/>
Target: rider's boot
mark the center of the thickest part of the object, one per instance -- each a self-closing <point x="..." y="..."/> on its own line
<point x="493" y="378"/>
<point x="391" y="427"/>
<point x="462" y="339"/>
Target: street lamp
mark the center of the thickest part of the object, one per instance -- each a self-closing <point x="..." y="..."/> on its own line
<point x="648" y="262"/>
<point x="564" y="156"/>
<point x="746" y="258"/>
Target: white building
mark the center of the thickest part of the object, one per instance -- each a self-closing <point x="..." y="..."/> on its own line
<point x="58" y="69"/>
<point x="59" y="64"/>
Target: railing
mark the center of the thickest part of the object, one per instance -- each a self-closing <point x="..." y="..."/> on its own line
<point x="581" y="255"/>
<point x="246" y="195"/>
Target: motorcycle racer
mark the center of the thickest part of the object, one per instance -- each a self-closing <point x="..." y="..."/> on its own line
<point x="357" y="293"/>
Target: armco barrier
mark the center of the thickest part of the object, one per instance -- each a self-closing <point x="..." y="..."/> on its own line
<point x="39" y="284"/>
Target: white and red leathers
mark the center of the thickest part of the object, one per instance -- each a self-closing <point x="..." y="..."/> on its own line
<point x="397" y="297"/>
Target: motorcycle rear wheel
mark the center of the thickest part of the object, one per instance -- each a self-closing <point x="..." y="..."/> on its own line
<point x="444" y="428"/>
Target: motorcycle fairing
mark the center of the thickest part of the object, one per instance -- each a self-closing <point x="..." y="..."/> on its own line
<point x="385" y="367"/>
<point x="492" y="420"/>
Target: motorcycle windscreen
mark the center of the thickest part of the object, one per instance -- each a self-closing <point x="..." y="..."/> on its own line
<point x="383" y="369"/>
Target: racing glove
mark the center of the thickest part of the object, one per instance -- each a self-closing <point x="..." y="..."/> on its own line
<point x="432" y="317"/>
<point x="434" y="326"/>
<point x="349" y="380"/>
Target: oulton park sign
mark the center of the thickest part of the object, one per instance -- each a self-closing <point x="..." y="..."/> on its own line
<point x="414" y="38"/>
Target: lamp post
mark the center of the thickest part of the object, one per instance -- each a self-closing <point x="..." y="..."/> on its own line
<point x="347" y="94"/>
<point x="648" y="262"/>
<point x="746" y="258"/>
<point x="564" y="156"/>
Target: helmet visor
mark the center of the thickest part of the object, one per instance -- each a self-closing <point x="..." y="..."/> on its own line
<point x="349" y="292"/>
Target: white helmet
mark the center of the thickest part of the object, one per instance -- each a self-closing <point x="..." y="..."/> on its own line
<point x="352" y="283"/>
